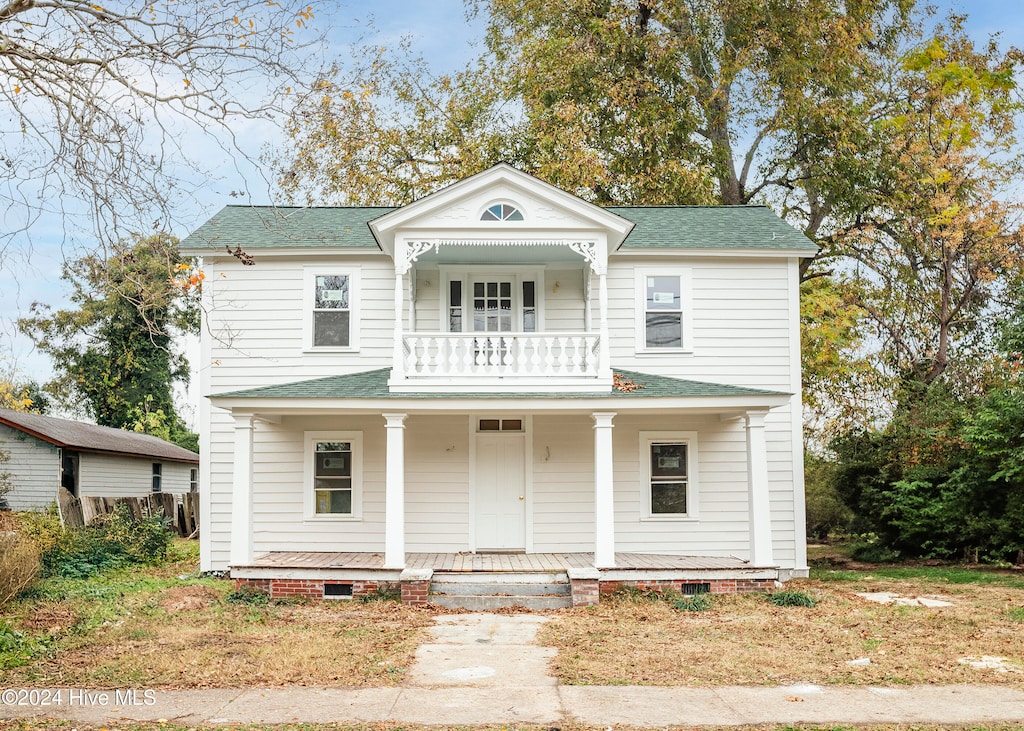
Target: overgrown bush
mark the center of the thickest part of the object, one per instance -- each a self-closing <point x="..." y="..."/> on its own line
<point x="42" y="527"/>
<point x="791" y="598"/>
<point x="117" y="540"/>
<point x="19" y="565"/>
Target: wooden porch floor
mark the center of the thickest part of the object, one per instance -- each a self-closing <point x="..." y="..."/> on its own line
<point x="517" y="562"/>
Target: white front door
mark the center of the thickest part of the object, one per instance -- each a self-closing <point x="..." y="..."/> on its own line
<point x="500" y="491"/>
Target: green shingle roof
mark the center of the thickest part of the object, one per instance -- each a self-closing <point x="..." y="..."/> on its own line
<point x="264" y="227"/>
<point x="657" y="227"/>
<point x="710" y="227"/>
<point x="374" y="385"/>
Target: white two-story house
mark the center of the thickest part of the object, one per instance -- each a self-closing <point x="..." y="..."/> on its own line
<point x="501" y="377"/>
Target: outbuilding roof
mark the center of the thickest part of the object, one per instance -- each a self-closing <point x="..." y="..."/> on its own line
<point x="92" y="438"/>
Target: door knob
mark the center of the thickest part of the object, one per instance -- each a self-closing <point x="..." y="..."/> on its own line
<point x="521" y="497"/>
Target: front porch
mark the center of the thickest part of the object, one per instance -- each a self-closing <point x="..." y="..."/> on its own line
<point x="344" y="575"/>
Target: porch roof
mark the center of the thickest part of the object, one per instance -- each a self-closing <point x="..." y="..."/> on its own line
<point x="373" y="385"/>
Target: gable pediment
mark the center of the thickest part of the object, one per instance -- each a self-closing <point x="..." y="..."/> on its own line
<point x="460" y="212"/>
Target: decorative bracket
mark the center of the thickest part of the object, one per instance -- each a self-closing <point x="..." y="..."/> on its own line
<point x="412" y="251"/>
<point x="588" y="250"/>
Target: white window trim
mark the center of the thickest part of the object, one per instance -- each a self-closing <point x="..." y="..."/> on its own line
<point x="689" y="438"/>
<point x="310" y="439"/>
<point x="685" y="275"/>
<point x="310" y="273"/>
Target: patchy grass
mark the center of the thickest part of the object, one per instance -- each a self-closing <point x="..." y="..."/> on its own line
<point x="148" y="626"/>
<point x="742" y="639"/>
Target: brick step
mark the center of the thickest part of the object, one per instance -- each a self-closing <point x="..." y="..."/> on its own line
<point x="478" y="603"/>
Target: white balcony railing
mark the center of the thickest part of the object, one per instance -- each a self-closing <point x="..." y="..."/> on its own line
<point x="500" y="355"/>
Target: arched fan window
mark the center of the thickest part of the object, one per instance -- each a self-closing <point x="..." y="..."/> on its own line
<point x="502" y="212"/>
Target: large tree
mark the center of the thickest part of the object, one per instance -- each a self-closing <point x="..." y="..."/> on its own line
<point x="103" y="105"/>
<point x="114" y="351"/>
<point x="937" y="242"/>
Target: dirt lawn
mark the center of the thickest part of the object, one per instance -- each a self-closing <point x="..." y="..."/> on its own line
<point x="845" y="639"/>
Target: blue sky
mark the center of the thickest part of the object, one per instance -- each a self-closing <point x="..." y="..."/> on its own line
<point x="440" y="32"/>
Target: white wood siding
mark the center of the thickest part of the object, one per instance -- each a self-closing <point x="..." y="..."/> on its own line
<point x="563" y="301"/>
<point x="34" y="467"/>
<point x="437" y="512"/>
<point x="742" y="311"/>
<point x="105" y="475"/>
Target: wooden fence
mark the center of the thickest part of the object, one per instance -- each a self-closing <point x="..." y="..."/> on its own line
<point x="183" y="513"/>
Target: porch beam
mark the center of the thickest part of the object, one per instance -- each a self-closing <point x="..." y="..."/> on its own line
<point x="394" y="492"/>
<point x="758" y="496"/>
<point x="241" y="492"/>
<point x="604" y="492"/>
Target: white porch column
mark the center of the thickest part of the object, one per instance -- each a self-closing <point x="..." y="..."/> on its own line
<point x="604" y="368"/>
<point x="604" y="493"/>
<point x="757" y="485"/>
<point x="241" y="493"/>
<point x="394" y="492"/>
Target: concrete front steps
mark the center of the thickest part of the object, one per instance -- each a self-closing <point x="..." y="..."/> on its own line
<point x="487" y="590"/>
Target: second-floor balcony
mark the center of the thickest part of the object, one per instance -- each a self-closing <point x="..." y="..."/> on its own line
<point x="505" y="361"/>
<point x="524" y="355"/>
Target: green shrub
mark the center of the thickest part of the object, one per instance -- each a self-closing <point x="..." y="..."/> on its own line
<point x="791" y="598"/>
<point x="694" y="603"/>
<point x="42" y="527"/>
<point x="113" y="541"/>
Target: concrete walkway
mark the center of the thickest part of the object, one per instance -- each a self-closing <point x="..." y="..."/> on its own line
<point x="486" y="669"/>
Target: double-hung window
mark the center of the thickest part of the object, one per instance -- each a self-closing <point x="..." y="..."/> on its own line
<point x="664" y="306"/>
<point x="331" y="309"/>
<point x="333" y="474"/>
<point x="669" y="474"/>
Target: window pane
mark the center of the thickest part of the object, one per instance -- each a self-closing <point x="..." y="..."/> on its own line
<point x="515" y="215"/>
<point x="331" y="328"/>
<point x="334" y="501"/>
<point x="665" y="330"/>
<point x="478" y="289"/>
<point x="530" y="320"/>
<point x="490" y="425"/>
<point x="331" y="292"/>
<point x="512" y="425"/>
<point x="333" y="464"/>
<point x="668" y="497"/>
<point x="529" y="294"/>
<point x="455" y="293"/>
<point x="668" y="460"/>
<point x="455" y="320"/>
<point x="663" y="293"/>
<point x="492" y="289"/>
<point x="505" y="289"/>
<point x="492" y="214"/>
